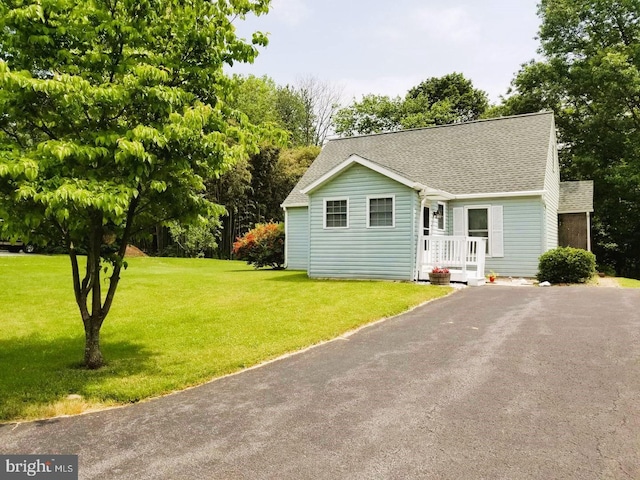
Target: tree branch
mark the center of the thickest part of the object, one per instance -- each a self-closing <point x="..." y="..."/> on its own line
<point x="115" y="276"/>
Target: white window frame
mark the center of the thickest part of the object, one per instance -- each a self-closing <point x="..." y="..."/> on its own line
<point x="393" y="210"/>
<point x="428" y="224"/>
<point x="324" y="212"/>
<point x="444" y="218"/>
<point x="489" y="225"/>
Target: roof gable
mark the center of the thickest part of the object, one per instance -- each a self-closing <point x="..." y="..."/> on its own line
<point x="507" y="154"/>
<point x="365" y="163"/>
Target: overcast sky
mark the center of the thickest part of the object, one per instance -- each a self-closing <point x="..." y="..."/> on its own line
<point x="386" y="47"/>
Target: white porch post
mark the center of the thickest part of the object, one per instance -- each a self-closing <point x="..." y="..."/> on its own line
<point x="588" y="232"/>
<point x="420" y="246"/>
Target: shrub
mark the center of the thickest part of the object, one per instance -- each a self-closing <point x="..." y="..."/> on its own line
<point x="263" y="246"/>
<point x="195" y="239"/>
<point x="566" y="265"/>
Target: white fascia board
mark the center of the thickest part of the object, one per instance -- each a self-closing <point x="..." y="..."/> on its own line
<point x="529" y="193"/>
<point x="293" y="205"/>
<point x="365" y="163"/>
<point x="575" y="211"/>
<point x="435" y="194"/>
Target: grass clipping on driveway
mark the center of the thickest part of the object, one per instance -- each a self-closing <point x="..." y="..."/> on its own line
<point x="175" y="323"/>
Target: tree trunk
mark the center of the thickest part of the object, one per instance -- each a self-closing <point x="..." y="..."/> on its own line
<point x="92" y="354"/>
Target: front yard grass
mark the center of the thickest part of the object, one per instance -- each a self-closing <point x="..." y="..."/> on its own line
<point x="628" y="282"/>
<point x="175" y="323"/>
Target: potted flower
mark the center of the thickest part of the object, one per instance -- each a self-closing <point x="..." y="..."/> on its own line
<point x="439" y="276"/>
<point x="492" y="276"/>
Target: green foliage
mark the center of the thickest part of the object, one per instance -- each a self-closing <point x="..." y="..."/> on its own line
<point x="449" y="99"/>
<point x="252" y="191"/>
<point x="373" y="114"/>
<point x="198" y="238"/>
<point x="262" y="246"/>
<point x="113" y="115"/>
<point x="566" y="265"/>
<point x="436" y="101"/>
<point x="590" y="77"/>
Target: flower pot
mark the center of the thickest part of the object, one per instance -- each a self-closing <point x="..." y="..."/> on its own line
<point x="439" y="278"/>
<point x="492" y="278"/>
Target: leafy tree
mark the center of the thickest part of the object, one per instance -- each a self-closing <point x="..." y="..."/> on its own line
<point x="256" y="98"/>
<point x="112" y="118"/>
<point x="436" y="101"/>
<point x="373" y="114"/>
<point x="196" y="238"/>
<point x="253" y="191"/>
<point x="291" y="113"/>
<point x="590" y="78"/>
<point x="449" y="99"/>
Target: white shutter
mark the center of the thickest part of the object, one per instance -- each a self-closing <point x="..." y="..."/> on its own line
<point x="496" y="237"/>
<point x="458" y="221"/>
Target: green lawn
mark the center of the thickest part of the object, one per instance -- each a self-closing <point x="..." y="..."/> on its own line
<point x="174" y="323"/>
<point x="628" y="282"/>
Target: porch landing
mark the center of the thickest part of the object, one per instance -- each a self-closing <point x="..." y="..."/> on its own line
<point x="463" y="256"/>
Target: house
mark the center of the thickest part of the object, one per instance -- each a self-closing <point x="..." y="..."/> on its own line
<point x="473" y="197"/>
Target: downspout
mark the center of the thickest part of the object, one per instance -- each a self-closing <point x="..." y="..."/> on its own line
<point x="588" y="232"/>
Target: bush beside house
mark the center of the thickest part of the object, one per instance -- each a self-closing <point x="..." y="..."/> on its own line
<point x="262" y="247"/>
<point x="566" y="265"/>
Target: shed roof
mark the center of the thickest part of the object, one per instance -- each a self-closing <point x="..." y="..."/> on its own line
<point x="507" y="154"/>
<point x="576" y="197"/>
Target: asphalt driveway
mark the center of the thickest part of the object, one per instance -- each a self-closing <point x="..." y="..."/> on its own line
<point x="489" y="383"/>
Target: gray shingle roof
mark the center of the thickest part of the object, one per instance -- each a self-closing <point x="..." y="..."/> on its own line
<point x="576" y="197"/>
<point x="507" y="154"/>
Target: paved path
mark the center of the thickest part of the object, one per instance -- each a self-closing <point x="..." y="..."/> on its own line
<point x="489" y="383"/>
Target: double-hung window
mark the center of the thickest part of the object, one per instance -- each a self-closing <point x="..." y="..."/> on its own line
<point x="336" y="213"/>
<point x="380" y="211"/>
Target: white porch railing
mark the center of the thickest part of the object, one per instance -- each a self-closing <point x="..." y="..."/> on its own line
<point x="463" y="256"/>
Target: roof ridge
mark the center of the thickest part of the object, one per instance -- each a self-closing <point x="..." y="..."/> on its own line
<point x="480" y="120"/>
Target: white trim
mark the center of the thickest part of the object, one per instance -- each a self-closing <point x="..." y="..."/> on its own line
<point x="435" y="194"/>
<point x="425" y="192"/>
<point x="588" y="231"/>
<point x="466" y="223"/>
<point x="444" y="217"/>
<point x="416" y="275"/>
<point x="531" y="193"/>
<point x="393" y="210"/>
<point x="293" y="205"/>
<point x="324" y="212"/>
<point x="286" y="236"/>
<point x="365" y="163"/>
<point x="574" y="211"/>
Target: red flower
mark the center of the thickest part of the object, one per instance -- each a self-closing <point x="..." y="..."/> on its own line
<point x="439" y="270"/>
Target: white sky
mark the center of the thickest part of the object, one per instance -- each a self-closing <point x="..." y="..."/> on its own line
<point x="385" y="47"/>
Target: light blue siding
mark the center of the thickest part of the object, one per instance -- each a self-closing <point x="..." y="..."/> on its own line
<point x="358" y="251"/>
<point x="297" y="238"/>
<point x="523" y="236"/>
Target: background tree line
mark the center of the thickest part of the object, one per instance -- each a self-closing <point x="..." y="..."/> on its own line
<point x="253" y="188"/>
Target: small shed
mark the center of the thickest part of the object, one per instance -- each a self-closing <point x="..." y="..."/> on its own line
<point x="574" y="214"/>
